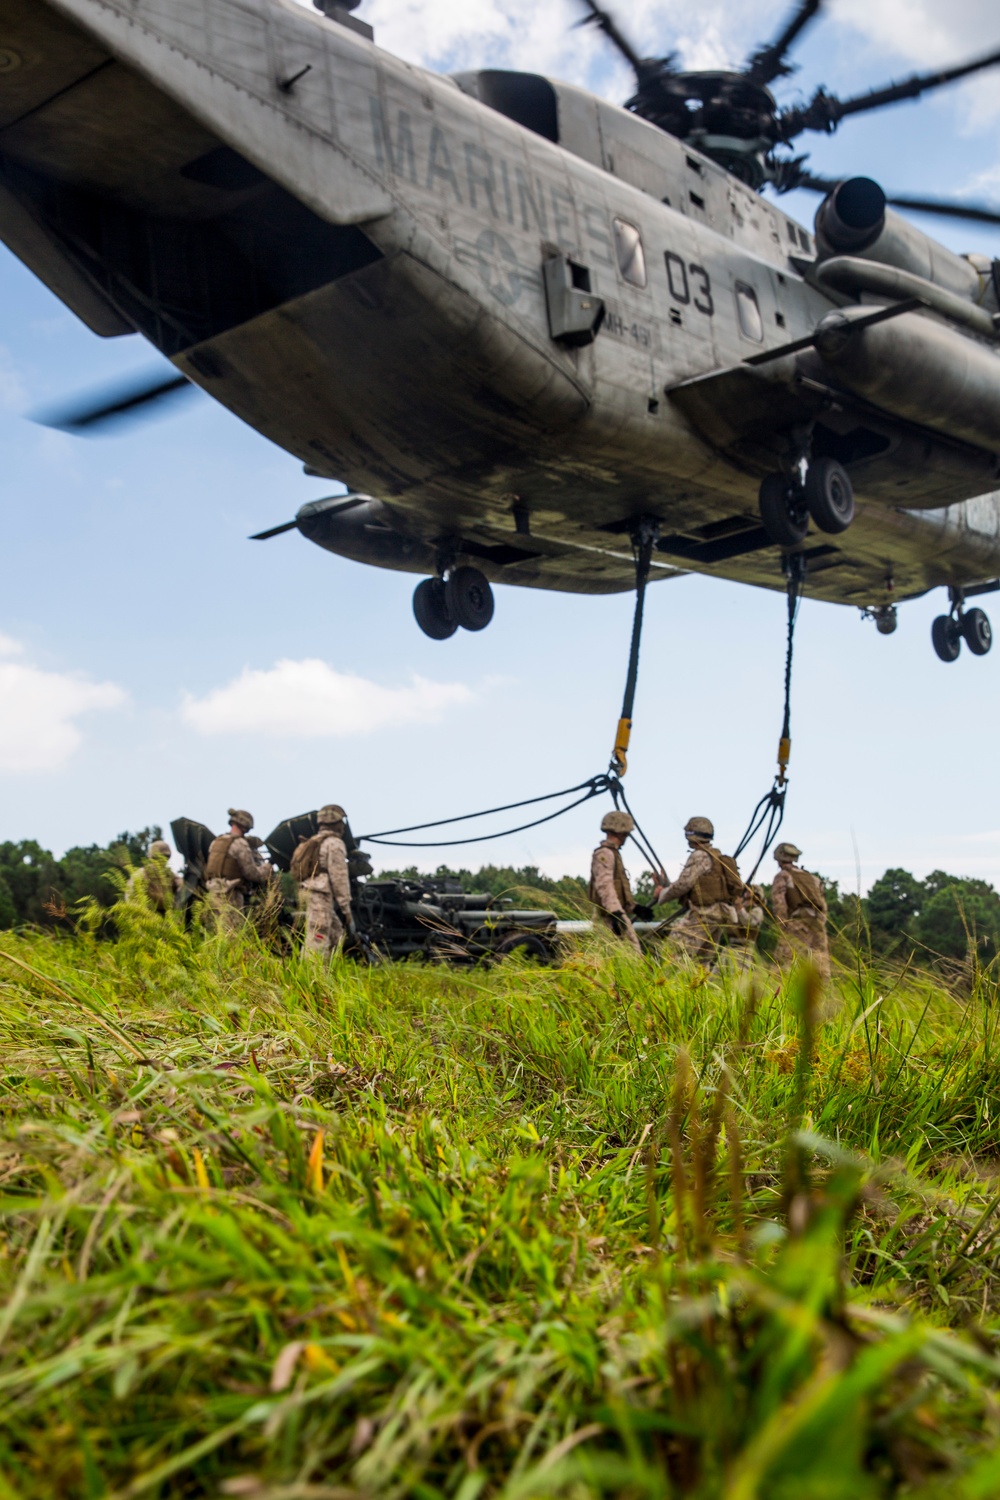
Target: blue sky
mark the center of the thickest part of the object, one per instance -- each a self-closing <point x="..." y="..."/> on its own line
<point x="136" y="620"/>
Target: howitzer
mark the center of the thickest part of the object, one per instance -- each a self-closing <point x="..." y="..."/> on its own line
<point x="435" y="919"/>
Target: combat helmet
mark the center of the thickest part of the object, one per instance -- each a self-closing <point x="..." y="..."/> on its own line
<point x="241" y="818"/>
<point x="329" y="814"/>
<point x="699" y="828"/>
<point x="160" y="847"/>
<point x="789" y="852"/>
<point x="617" y="822"/>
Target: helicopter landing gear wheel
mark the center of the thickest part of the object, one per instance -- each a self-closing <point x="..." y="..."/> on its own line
<point x="946" y="637"/>
<point x="977" y="633"/>
<point x="430" y="606"/>
<point x="469" y="598"/>
<point x="783" y="511"/>
<point x="829" y="495"/>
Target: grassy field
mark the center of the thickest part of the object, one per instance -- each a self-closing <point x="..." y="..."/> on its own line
<point x="611" y="1230"/>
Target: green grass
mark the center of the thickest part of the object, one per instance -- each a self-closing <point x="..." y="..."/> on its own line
<point x="611" y="1230"/>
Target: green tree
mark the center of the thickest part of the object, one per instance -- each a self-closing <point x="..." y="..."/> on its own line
<point x="36" y="889"/>
<point x="8" y="911"/>
<point x="961" y="916"/>
<point x="893" y="907"/>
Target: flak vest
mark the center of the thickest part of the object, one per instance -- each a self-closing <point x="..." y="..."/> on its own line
<point x="722" y="883"/>
<point x="220" y="864"/>
<point x="805" y="893"/>
<point x="622" y="888"/>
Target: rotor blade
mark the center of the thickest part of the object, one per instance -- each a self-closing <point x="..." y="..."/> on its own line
<point x="768" y="63"/>
<point x="825" y="111"/>
<point x="977" y="212"/>
<point x="114" y="406"/>
<point x="263" y="536"/>
<point x="789" y="173"/>
<point x="816" y="184"/>
<point x="606" y="23"/>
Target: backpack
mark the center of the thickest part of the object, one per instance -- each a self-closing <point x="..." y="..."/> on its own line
<point x="806" y="891"/>
<point x="722" y="883"/>
<point x="305" y="860"/>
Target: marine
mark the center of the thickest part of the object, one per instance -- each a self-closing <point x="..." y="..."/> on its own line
<point x="614" y="904"/>
<point x="155" y="883"/>
<point x="233" y="871"/>
<point x="798" y="904"/>
<point x="711" y="892"/>
<point x="320" y="866"/>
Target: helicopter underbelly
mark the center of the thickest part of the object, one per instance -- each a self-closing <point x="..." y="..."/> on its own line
<point x="472" y="423"/>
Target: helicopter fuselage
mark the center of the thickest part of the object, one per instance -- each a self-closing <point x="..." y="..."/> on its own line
<point x="350" y="253"/>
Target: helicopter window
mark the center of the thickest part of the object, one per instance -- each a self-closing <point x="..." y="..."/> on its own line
<point x="698" y="201"/>
<point x="748" y="309"/>
<point x="631" y="256"/>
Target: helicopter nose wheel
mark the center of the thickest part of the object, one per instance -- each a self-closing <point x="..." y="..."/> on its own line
<point x="464" y="598"/>
<point x="971" y="626"/>
<point x="946" y="638"/>
<point x="430" y="606"/>
<point x="469" y="598"/>
<point x="977" y="632"/>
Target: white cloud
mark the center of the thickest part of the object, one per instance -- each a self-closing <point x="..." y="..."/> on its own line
<point x="546" y="38"/>
<point x="38" y="728"/>
<point x="718" y="33"/>
<point x="309" y="699"/>
<point x="930" y="33"/>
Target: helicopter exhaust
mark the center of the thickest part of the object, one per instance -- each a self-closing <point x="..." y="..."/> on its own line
<point x="855" y="219"/>
<point x="918" y="369"/>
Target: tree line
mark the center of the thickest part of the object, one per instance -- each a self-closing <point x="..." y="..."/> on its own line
<point x="941" y="917"/>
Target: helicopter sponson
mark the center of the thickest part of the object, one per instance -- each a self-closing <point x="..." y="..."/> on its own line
<point x="512" y="319"/>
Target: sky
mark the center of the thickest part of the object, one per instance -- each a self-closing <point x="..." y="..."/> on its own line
<point x="155" y="663"/>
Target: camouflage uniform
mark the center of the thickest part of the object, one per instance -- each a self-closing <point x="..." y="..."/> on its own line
<point x="799" y="908"/>
<point x="326" y="894"/>
<point x="706" y="890"/>
<point x="155" y="885"/>
<point x="233" y="869"/>
<point x="609" y="884"/>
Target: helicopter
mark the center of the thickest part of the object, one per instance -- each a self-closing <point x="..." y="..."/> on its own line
<point x="521" y="325"/>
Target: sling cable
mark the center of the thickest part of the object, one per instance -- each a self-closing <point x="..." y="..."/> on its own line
<point x="767" y="815"/>
<point x="770" y="810"/>
<point x="644" y="538"/>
